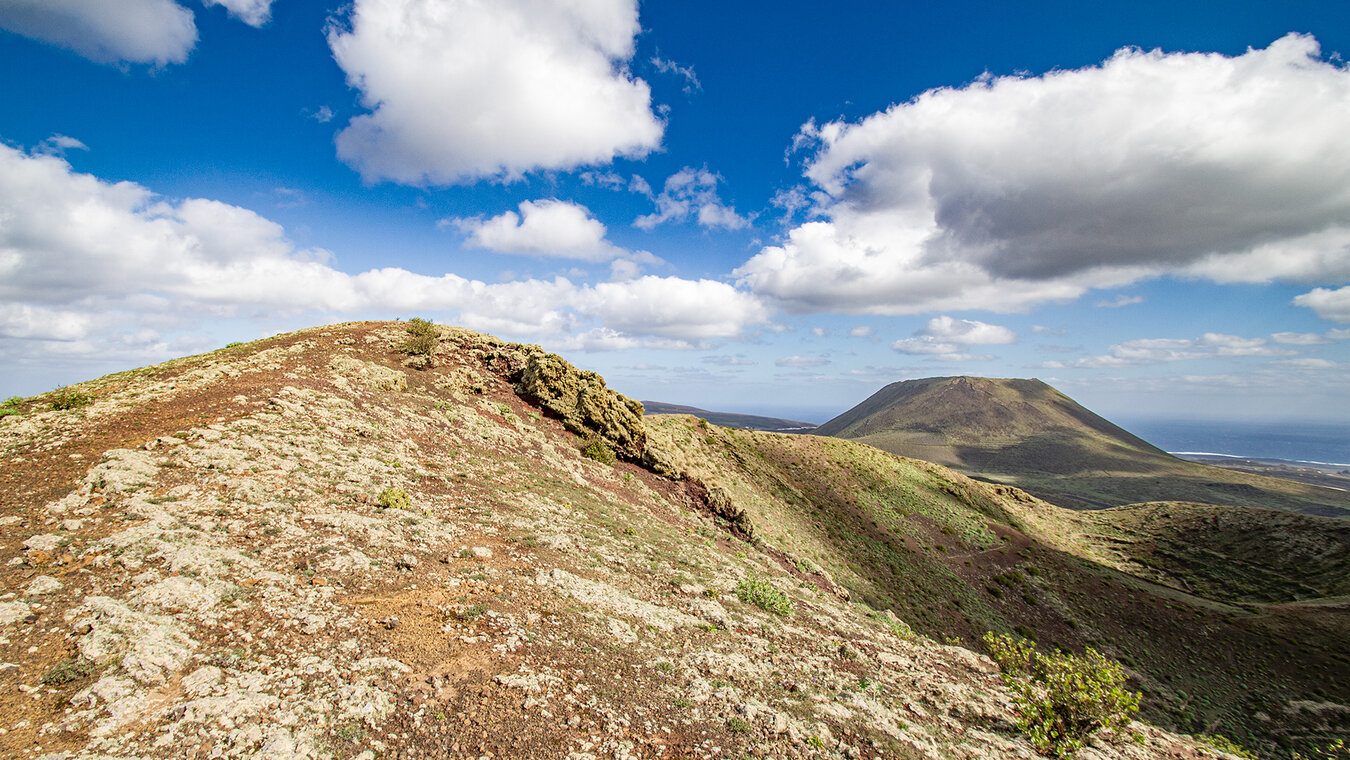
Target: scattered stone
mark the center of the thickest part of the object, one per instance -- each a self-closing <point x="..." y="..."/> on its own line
<point x="43" y="585"/>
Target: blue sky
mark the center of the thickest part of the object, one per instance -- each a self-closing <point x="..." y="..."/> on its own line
<point x="761" y="207"/>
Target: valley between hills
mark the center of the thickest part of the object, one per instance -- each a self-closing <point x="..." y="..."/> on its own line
<point x="406" y="541"/>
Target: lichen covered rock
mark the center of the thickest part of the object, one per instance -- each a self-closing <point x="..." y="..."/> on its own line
<point x="583" y="403"/>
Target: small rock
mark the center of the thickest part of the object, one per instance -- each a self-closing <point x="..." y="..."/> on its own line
<point x="390" y="622"/>
<point x="481" y="552"/>
<point x="43" y="585"/>
<point x="407" y="562"/>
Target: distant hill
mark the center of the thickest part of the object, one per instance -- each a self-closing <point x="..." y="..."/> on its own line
<point x="1026" y="433"/>
<point x="729" y="419"/>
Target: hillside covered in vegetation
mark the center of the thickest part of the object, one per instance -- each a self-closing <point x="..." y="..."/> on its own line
<point x="394" y="540"/>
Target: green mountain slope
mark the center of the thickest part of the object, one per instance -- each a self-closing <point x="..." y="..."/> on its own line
<point x="1026" y="433"/>
<point x="954" y="557"/>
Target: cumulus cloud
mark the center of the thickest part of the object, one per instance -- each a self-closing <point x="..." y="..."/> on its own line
<point x="74" y="247"/>
<point x="1017" y="190"/>
<point x="1144" y="351"/>
<point x="692" y="193"/>
<point x="460" y="90"/>
<point x="252" y="12"/>
<point x="131" y="31"/>
<point x="546" y="228"/>
<point x="672" y="307"/>
<point x="1327" y="303"/>
<point x="948" y="339"/>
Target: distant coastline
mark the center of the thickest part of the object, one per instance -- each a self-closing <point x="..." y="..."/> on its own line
<point x="1301" y="443"/>
<point x="1217" y="455"/>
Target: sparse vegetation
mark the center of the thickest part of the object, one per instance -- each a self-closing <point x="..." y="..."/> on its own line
<point x="69" y="398"/>
<point x="1062" y="698"/>
<point x="69" y="670"/>
<point x="394" y="498"/>
<point x="762" y="594"/>
<point x="598" y="450"/>
<point x="10" y="406"/>
<point x="422" y="338"/>
<point x="1224" y="744"/>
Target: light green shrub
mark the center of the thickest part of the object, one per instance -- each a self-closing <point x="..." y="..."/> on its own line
<point x="422" y="338"/>
<point x="597" y="449"/>
<point x="69" y="398"/>
<point x="763" y="595"/>
<point x="394" y="498"/>
<point x="1062" y="698"/>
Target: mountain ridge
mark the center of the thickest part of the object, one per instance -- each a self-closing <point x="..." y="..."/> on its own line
<point x="1026" y="433"/>
<point x="346" y="543"/>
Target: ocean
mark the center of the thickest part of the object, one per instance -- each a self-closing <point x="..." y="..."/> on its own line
<point x="1325" y="443"/>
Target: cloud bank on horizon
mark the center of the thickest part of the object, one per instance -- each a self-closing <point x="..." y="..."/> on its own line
<point x="1001" y="195"/>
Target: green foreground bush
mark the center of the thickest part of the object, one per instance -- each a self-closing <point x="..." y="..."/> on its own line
<point x="394" y="498"/>
<point x="597" y="449"/>
<point x="763" y="595"/>
<point x="1062" y="698"/>
<point x="422" y="338"/>
<point x="69" y="398"/>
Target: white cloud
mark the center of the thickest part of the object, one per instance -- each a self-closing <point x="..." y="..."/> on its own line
<point x="672" y="307"/>
<point x="1308" y="363"/>
<point x="252" y="12"/>
<point x="802" y="362"/>
<point x="132" y="31"/>
<point x="1012" y="191"/>
<point x="862" y="331"/>
<point x="1119" y="302"/>
<point x="89" y="262"/>
<point x="691" y="192"/>
<point x="460" y="90"/>
<point x="686" y="73"/>
<point x="948" y="339"/>
<point x="1144" y="351"/>
<point x="738" y="360"/>
<point x="545" y="228"/>
<point x="967" y="332"/>
<point x="1301" y="339"/>
<point x="1328" y="304"/>
<point x="323" y="114"/>
<point x="57" y="145"/>
<point x="608" y="180"/>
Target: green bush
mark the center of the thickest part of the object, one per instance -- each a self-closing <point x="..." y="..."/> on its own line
<point x="394" y="498"/>
<point x="10" y="406"/>
<point x="1224" y="744"/>
<point x="422" y="338"/>
<point x="597" y="449"/>
<point x="69" y="398"/>
<point x="1337" y="750"/>
<point x="1062" y="698"/>
<point x="763" y="595"/>
<point x="66" y="671"/>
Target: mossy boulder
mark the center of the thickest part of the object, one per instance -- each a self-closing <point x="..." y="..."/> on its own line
<point x="584" y="405"/>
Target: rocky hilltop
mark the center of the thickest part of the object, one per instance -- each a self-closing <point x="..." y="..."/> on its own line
<point x="344" y="542"/>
